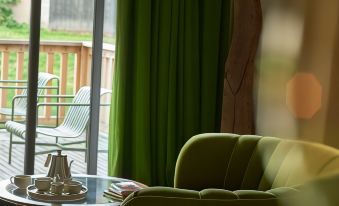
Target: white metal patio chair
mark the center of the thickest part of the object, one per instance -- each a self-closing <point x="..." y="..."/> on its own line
<point x="74" y="124"/>
<point x="19" y="102"/>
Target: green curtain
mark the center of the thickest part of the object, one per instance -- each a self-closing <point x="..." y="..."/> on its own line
<point x="168" y="82"/>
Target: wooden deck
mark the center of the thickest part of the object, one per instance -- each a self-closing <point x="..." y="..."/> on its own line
<point x="17" y="166"/>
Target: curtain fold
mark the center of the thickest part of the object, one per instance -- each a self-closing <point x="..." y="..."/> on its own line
<point x="167" y="87"/>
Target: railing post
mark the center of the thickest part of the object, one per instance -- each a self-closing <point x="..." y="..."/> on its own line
<point x="109" y="72"/>
<point x="63" y="79"/>
<point x="19" y="67"/>
<point x="4" y="76"/>
<point x="49" y="69"/>
<point x="103" y="71"/>
<point x="84" y="66"/>
<point x="88" y="75"/>
<point x="104" y="81"/>
<point x="77" y="71"/>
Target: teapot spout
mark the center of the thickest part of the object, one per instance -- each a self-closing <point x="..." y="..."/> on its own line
<point x="48" y="160"/>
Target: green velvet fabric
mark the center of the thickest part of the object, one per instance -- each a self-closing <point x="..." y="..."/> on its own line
<point x="229" y="169"/>
<point x="172" y="196"/>
<point x="217" y="194"/>
<point x="207" y="163"/>
<point x="284" y="192"/>
<point x="168" y="82"/>
<point x="233" y="162"/>
<point x="170" y="201"/>
<point x="322" y="191"/>
<point x="168" y="192"/>
<point x="253" y="194"/>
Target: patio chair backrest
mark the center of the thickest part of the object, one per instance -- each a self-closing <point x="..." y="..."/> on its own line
<point x="43" y="79"/>
<point x="77" y="117"/>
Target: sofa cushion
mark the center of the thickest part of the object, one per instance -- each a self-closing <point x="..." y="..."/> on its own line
<point x="253" y="194"/>
<point x="167" y="192"/>
<point x="217" y="194"/>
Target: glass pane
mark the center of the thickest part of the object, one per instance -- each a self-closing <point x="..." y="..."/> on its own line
<point x="14" y="33"/>
<point x="66" y="52"/>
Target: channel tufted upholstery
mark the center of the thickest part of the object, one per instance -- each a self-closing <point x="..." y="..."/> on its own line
<point x="229" y="169"/>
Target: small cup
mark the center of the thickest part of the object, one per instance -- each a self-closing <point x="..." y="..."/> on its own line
<point x="73" y="187"/>
<point x="57" y="187"/>
<point x="67" y="180"/>
<point x="43" y="183"/>
<point x="21" y="181"/>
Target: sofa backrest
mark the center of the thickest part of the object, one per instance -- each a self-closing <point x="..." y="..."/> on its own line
<point x="233" y="162"/>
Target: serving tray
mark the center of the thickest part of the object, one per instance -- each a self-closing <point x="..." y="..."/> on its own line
<point x="35" y="194"/>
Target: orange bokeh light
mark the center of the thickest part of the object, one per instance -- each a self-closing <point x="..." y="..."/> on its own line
<point x="303" y="95"/>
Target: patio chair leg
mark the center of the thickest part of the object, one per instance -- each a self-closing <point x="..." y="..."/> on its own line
<point x="56" y="140"/>
<point x="10" y="148"/>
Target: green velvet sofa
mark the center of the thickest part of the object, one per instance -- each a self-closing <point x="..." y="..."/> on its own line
<point x="234" y="170"/>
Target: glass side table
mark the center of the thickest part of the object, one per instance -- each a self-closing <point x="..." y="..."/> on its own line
<point x="10" y="195"/>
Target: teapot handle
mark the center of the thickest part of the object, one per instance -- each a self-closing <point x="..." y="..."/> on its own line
<point x="48" y="160"/>
<point x="69" y="169"/>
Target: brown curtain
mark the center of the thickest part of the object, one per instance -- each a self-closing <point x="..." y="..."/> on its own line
<point x="238" y="104"/>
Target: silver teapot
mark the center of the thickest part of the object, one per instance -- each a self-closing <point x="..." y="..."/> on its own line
<point x="59" y="167"/>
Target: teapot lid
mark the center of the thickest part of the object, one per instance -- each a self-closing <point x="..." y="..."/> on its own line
<point x="59" y="154"/>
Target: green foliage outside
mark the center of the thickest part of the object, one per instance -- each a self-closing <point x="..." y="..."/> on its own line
<point x="6" y="14"/>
